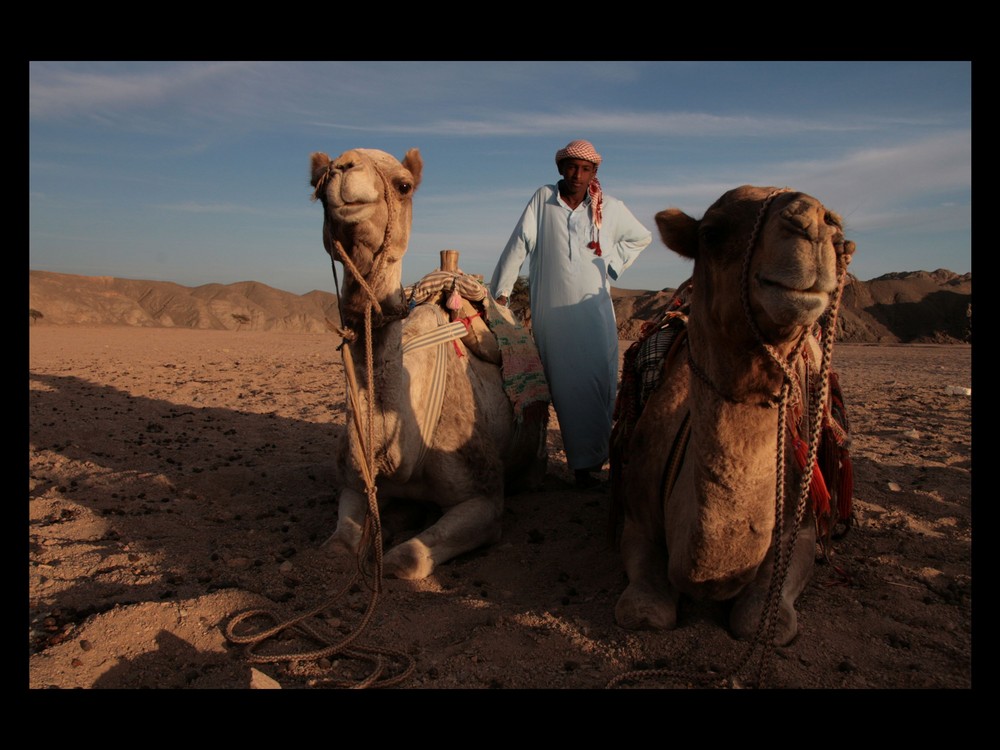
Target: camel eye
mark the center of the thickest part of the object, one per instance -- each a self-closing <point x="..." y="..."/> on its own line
<point x="710" y="234"/>
<point x="404" y="187"/>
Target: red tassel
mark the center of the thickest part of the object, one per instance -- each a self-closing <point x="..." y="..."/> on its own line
<point x="817" y="486"/>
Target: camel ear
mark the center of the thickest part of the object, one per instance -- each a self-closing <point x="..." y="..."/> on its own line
<point x="678" y="231"/>
<point x="318" y="163"/>
<point x="415" y="164"/>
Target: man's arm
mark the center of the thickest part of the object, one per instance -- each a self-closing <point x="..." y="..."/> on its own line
<point x="630" y="239"/>
<point x="521" y="242"/>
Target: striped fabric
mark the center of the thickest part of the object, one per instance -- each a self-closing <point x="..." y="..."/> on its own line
<point x="443" y="281"/>
<point x="429" y="416"/>
<point x="440" y="335"/>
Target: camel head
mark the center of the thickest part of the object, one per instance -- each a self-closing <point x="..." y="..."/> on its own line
<point x="797" y="252"/>
<point x="367" y="198"/>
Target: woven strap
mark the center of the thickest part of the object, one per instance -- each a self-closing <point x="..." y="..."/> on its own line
<point x="429" y="416"/>
<point x="440" y="335"/>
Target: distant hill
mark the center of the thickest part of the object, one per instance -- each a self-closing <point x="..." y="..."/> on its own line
<point x="912" y="307"/>
<point x="66" y="299"/>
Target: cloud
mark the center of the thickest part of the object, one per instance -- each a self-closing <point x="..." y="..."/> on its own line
<point x="65" y="89"/>
<point x="659" y="124"/>
<point x="926" y="171"/>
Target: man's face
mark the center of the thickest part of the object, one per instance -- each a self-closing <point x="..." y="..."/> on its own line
<point x="577" y="174"/>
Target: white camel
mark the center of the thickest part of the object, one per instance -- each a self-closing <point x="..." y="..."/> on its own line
<point x="444" y="430"/>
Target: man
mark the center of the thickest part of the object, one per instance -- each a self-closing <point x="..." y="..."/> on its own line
<point x="577" y="240"/>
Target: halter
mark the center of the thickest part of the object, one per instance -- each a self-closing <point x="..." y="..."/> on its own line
<point x="379" y="255"/>
<point x="764" y="637"/>
<point x="772" y="402"/>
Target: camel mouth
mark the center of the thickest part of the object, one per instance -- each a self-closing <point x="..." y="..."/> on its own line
<point x="816" y="292"/>
<point x="351" y="211"/>
<point x="787" y="305"/>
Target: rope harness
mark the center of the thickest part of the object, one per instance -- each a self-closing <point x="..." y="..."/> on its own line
<point x="792" y="391"/>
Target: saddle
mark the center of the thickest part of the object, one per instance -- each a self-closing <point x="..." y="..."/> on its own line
<point x="462" y="296"/>
<point x="490" y="332"/>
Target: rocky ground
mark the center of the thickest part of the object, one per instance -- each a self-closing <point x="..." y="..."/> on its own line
<point x="178" y="477"/>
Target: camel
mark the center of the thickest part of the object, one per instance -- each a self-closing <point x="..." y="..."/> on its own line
<point x="767" y="265"/>
<point x="460" y="456"/>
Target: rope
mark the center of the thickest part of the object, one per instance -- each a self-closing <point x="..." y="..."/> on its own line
<point x="381" y="660"/>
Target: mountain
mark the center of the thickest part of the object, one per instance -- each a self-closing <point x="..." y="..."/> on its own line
<point x="66" y="299"/>
<point x="911" y="307"/>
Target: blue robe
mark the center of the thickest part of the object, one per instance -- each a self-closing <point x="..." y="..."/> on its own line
<point x="572" y="317"/>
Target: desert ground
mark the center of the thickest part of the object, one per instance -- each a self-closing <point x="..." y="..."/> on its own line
<point x="178" y="477"/>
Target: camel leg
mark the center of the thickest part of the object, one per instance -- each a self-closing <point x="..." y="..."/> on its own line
<point x="748" y="606"/>
<point x="346" y="539"/>
<point x="463" y="527"/>
<point x="649" y="602"/>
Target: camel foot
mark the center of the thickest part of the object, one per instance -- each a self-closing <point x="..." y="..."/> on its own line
<point x="411" y="560"/>
<point x="744" y="619"/>
<point x="644" y="608"/>
<point x="345" y="541"/>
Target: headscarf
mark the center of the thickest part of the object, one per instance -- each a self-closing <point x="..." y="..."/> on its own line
<point x="585" y="150"/>
<point x="579" y="150"/>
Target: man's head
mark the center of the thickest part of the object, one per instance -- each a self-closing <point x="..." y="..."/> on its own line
<point x="577" y="163"/>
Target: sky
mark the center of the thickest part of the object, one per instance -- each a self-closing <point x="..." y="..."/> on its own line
<point x="198" y="172"/>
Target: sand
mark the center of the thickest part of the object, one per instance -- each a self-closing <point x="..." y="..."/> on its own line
<point x="177" y="477"/>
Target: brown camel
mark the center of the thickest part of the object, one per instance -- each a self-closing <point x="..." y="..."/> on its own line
<point x="453" y="455"/>
<point x="699" y="520"/>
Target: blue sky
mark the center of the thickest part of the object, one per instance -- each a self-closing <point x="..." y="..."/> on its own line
<point x="197" y="172"/>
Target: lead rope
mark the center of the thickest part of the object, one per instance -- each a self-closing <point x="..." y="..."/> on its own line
<point x="814" y="414"/>
<point x="380" y="659"/>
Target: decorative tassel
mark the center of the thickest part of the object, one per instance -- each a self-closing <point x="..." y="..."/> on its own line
<point x="817" y="485"/>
